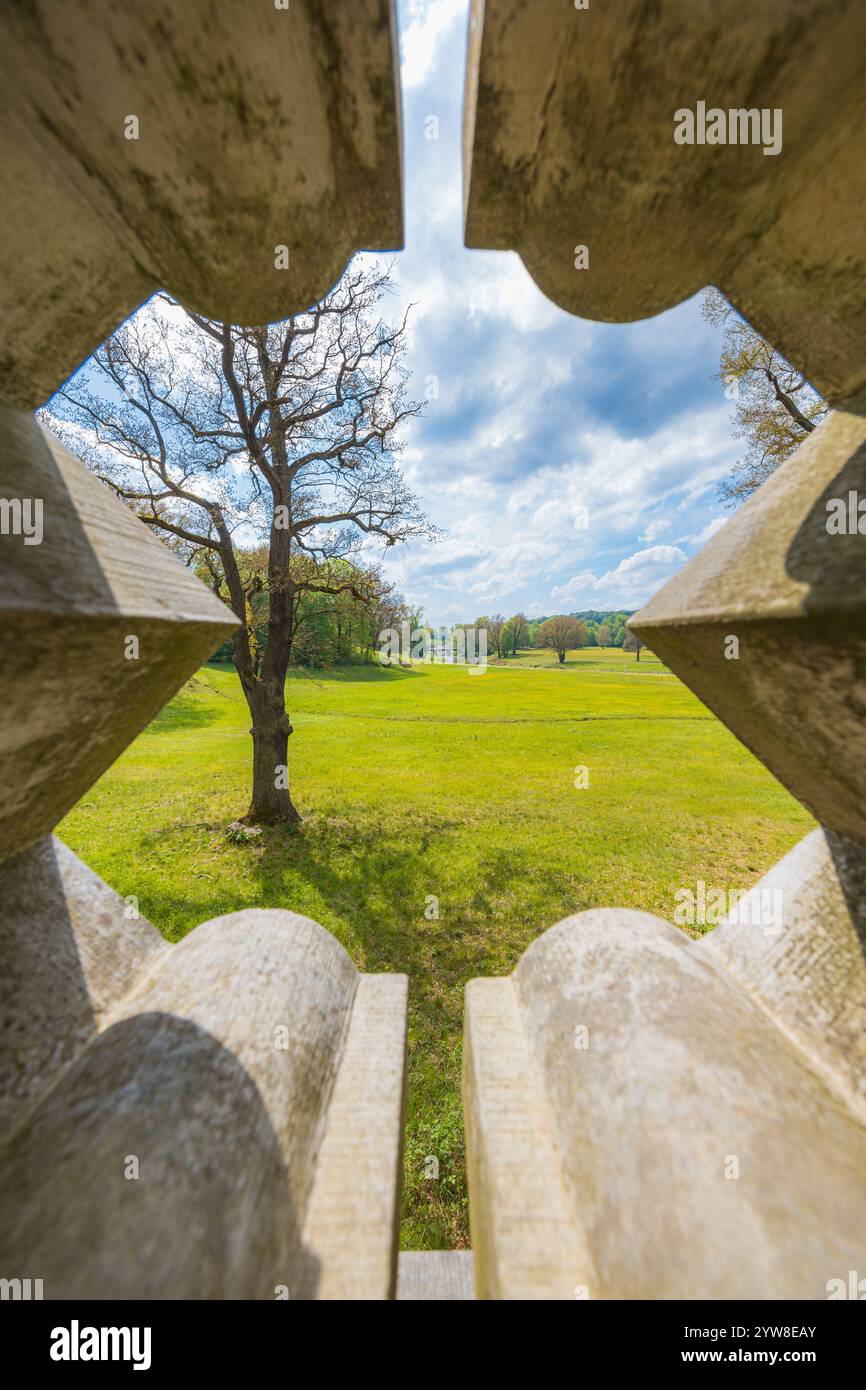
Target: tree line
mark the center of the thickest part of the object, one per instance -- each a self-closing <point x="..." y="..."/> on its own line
<point x="337" y="625"/>
<point x="563" y="631"/>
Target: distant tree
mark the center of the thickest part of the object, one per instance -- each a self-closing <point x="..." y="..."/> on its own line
<point x="495" y="627"/>
<point x="602" y="635"/>
<point x="775" y="408"/>
<point x="386" y="609"/>
<point x="617" y="629"/>
<point x="414" y="615"/>
<point x="563" y="634"/>
<point x="633" y="643"/>
<point x="519" y="631"/>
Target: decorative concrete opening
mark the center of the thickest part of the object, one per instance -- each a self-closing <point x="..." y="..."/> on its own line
<point x="640" y="1157"/>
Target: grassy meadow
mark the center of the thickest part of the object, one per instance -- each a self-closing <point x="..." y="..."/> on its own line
<point x="431" y="781"/>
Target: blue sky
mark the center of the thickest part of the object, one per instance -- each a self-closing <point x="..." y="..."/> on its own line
<point x="539" y="414"/>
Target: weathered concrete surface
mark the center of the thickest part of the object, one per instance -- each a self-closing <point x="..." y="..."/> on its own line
<point x="527" y="1237"/>
<point x="263" y="1169"/>
<point x="72" y="700"/>
<point x="569" y="140"/>
<point x="687" y="1079"/>
<point x="794" y="595"/>
<point x="435" y="1276"/>
<point x="254" y="1077"/>
<point x="352" y="1225"/>
<point x="70" y="951"/>
<point x="810" y="973"/>
<point x="258" y="127"/>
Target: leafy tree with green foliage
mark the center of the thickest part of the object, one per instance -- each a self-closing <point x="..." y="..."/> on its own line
<point x="633" y="643"/>
<point x="519" y="632"/>
<point x="495" y="627"/>
<point x="775" y="407"/>
<point x="563" y="633"/>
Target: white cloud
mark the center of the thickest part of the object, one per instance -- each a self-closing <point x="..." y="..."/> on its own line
<point x="654" y="529"/>
<point x="715" y="524"/>
<point x="500" y="287"/>
<point x="510" y="541"/>
<point x="633" y="581"/>
<point x="429" y="21"/>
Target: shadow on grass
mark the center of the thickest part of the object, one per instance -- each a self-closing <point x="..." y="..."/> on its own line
<point x="378" y="884"/>
<point x="377" y="888"/>
<point x="403" y="909"/>
<point x="183" y="712"/>
<point x="351" y="675"/>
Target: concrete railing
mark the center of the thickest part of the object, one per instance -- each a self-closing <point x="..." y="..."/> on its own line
<point x="249" y="1078"/>
<point x="646" y="1116"/>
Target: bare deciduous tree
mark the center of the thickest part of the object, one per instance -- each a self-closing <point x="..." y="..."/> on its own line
<point x="266" y="455"/>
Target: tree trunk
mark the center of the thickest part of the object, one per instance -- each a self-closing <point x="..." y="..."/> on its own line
<point x="271" y="802"/>
<point x="561" y="658"/>
<point x="789" y="403"/>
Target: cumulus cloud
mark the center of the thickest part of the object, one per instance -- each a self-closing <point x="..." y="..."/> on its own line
<point x="713" y="525"/>
<point x="655" y="528"/>
<point x="550" y="447"/>
<point x="634" y="580"/>
<point x="424" y="25"/>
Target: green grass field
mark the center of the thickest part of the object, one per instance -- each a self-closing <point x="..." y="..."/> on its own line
<point x="432" y="781"/>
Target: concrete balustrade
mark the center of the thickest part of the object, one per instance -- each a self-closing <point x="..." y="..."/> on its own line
<point x="647" y="1116"/>
<point x="569" y="125"/>
<point x="255" y="128"/>
<point x="797" y="943"/>
<point x="77" y="690"/>
<point x="780" y="580"/>
<point x="71" y="949"/>
<point x="216" y="1119"/>
<point x="220" y="1118"/>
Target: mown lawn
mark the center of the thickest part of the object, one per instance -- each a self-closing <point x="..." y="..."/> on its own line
<point x="434" y="782"/>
